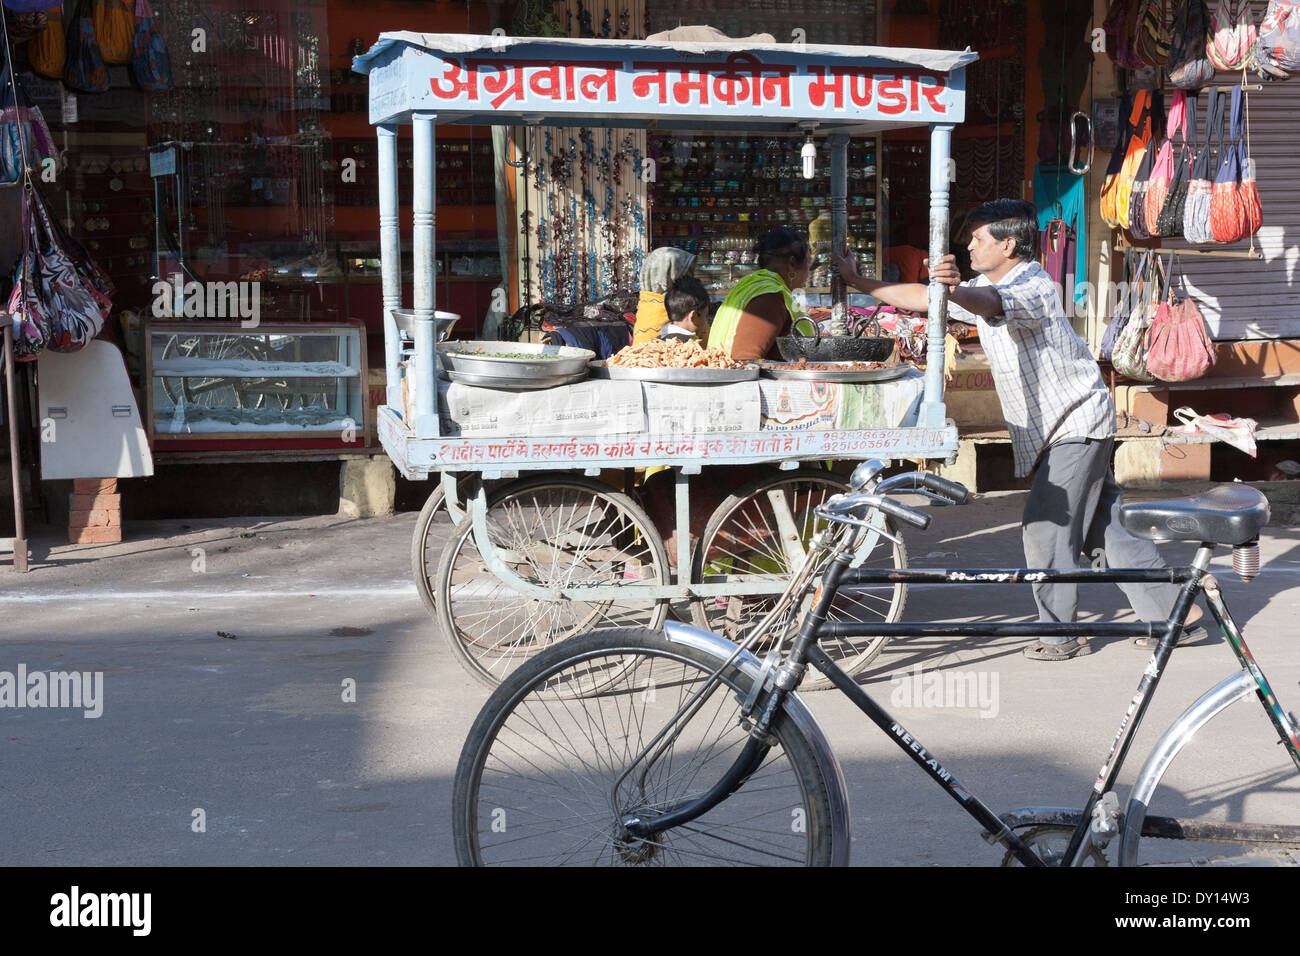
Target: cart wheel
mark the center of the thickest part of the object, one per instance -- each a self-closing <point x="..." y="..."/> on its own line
<point x="553" y="531"/>
<point x="432" y="529"/>
<point x="743" y="539"/>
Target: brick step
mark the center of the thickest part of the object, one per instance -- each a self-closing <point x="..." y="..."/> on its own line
<point x="94" y="486"/>
<point x="94" y="535"/>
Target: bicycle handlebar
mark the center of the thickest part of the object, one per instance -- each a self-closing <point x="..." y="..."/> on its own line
<point x="948" y="492"/>
<point x="953" y="490"/>
<point x="849" y="503"/>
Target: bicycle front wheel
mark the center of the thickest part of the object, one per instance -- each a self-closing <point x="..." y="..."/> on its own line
<point x="536" y="784"/>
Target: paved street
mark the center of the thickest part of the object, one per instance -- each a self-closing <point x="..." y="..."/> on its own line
<point x="225" y="648"/>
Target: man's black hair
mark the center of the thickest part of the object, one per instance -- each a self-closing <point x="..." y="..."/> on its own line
<point x="780" y="243"/>
<point x="1009" y="219"/>
<point x="685" y="295"/>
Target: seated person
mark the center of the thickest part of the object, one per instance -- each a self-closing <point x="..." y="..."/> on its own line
<point x="760" y="308"/>
<point x="687" y="304"/>
<point x="661" y="268"/>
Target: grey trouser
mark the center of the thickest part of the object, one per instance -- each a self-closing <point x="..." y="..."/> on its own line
<point x="1073" y="510"/>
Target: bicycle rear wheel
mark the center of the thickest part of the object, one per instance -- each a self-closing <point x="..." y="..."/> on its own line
<point x="1185" y="811"/>
<point x="536" y="778"/>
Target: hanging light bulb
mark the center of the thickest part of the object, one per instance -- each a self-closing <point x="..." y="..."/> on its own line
<point x="809" y="156"/>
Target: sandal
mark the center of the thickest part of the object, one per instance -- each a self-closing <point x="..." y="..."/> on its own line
<point x="1191" y="635"/>
<point x="1038" y="651"/>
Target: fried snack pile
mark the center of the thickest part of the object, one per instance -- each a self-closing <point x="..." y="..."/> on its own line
<point x="804" y="365"/>
<point x="662" y="353"/>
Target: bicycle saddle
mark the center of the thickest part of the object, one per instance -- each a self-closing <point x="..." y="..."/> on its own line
<point x="1228" y="514"/>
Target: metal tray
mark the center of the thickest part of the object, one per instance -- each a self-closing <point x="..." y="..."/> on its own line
<point x="781" y="370"/>
<point x="676" y="376"/>
<point x="514" y="383"/>
<point x="478" y="358"/>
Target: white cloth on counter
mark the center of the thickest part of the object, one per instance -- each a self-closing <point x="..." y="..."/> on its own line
<point x="605" y="407"/>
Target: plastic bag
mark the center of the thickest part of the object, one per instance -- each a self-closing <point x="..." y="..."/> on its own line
<point x="1237" y="432"/>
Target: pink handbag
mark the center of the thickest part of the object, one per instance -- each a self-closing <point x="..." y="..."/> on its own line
<point x="1178" y="346"/>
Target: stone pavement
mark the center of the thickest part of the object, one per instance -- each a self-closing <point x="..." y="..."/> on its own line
<point x="227" y="648"/>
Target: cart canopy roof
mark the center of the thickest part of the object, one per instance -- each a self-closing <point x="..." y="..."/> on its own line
<point x="501" y="80"/>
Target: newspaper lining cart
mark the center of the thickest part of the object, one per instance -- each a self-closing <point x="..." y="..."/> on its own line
<point x="570" y="552"/>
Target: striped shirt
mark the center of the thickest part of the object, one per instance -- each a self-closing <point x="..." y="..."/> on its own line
<point x="1047" y="381"/>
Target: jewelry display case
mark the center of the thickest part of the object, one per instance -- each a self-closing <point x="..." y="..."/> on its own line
<point x="208" y="381"/>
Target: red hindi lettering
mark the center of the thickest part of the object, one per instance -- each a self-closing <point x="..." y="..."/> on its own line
<point x="684" y="87"/>
<point x="890" y="96"/>
<point x="547" y="82"/>
<point x="655" y="75"/>
<point x="826" y="83"/>
<point x="731" y="85"/>
<point x="456" y="86"/>
<point x="933" y="91"/>
<point x="507" y="83"/>
<point x="776" y="89"/>
<point x="860" y="88"/>
<point x="601" y="86"/>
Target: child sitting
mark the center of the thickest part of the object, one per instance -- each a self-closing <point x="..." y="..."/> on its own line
<point x="687" y="305"/>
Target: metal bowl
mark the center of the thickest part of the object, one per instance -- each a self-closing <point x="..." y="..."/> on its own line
<point x="835" y="348"/>
<point x="487" y="358"/>
<point x="443" y="323"/>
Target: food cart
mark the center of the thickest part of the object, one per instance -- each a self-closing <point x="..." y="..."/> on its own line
<point x="552" y="550"/>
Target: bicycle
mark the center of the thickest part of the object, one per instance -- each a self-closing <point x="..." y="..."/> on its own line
<point x="638" y="747"/>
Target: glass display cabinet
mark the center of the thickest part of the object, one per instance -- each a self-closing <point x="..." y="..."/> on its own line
<point x="222" y="381"/>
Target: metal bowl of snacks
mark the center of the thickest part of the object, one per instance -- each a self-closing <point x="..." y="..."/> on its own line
<point x="517" y="361"/>
<point x="835" y="348"/>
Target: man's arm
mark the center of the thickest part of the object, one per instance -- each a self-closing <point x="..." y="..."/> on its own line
<point x="913" y="296"/>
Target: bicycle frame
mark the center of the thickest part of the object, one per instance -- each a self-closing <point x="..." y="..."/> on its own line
<point x="806" y="650"/>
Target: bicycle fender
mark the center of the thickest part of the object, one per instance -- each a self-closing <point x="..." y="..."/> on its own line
<point x="800" y="716"/>
<point x="1222" y="695"/>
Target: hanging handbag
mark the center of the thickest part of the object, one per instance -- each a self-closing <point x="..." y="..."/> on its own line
<point x="150" y="64"/>
<point x="1169" y="221"/>
<point x="73" y="313"/>
<point x="1109" y="187"/>
<point x="1137" y="217"/>
<point x="1232" y="34"/>
<point x="1228" y="222"/>
<point x="1178" y="346"/>
<point x="1117" y="321"/>
<point x="47" y="52"/>
<point x="25" y="308"/>
<point x="1277" y="44"/>
<point x="1118" y="27"/>
<point x="1152" y="40"/>
<point x="1248" y="192"/>
<point x="1189" y="65"/>
<point x="1162" y="170"/>
<point x="1196" y="214"/>
<point x="1146" y="101"/>
<point x="25" y="138"/>
<point x="1056" y="247"/>
<point x="1129" y="358"/>
<point x="84" y="69"/>
<point x="114" y="23"/>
